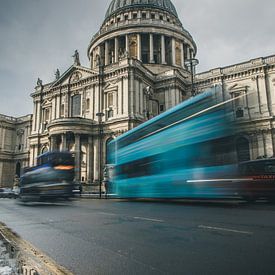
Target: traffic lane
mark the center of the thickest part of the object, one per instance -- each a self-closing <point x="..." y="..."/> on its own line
<point x="63" y="239"/>
<point x="141" y="237"/>
<point x="177" y="246"/>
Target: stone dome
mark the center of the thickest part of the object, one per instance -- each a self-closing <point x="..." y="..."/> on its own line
<point x="118" y="5"/>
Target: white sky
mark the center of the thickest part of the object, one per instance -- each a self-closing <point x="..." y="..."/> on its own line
<point x="39" y="36"/>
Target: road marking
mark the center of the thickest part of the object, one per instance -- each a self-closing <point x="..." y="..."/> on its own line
<point x="107" y="213"/>
<point x="225" y="229"/>
<point x="148" y="219"/>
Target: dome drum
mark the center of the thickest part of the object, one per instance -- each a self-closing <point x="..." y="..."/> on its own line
<point x="148" y="47"/>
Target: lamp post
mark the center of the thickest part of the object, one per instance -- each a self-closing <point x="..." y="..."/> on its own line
<point x="100" y="115"/>
<point x="100" y="137"/>
<point x="191" y="64"/>
<point x="149" y="94"/>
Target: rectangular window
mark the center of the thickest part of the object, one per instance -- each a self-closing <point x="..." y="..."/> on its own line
<point x="46" y="115"/>
<point x="134" y="15"/>
<point x="110" y="99"/>
<point x="76" y="104"/>
<point x="110" y="113"/>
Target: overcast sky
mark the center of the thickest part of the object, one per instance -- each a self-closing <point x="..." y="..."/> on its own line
<point x="39" y="36"/>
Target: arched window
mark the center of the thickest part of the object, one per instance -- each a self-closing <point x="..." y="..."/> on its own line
<point x="243" y="151"/>
<point x="44" y="150"/>
<point x="76" y="104"/>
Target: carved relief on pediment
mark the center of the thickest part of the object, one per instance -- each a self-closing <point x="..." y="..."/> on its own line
<point x="76" y="76"/>
<point x="47" y="102"/>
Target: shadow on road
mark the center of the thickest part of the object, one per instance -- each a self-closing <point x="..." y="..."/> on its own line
<point x="45" y="203"/>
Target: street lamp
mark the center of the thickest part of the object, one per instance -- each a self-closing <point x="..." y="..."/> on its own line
<point x="191" y="64"/>
<point x="100" y="137"/>
<point x="100" y="115"/>
<point x="149" y="94"/>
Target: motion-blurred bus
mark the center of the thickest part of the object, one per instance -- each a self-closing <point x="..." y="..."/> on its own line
<point x="52" y="178"/>
<point x="186" y="152"/>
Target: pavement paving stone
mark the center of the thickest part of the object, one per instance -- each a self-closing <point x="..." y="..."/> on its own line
<point x="7" y="265"/>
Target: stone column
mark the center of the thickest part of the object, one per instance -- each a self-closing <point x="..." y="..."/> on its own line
<point x="173" y="51"/>
<point x="127" y="44"/>
<point x="77" y="157"/>
<point x="38" y="117"/>
<point x="138" y="47"/>
<point x="116" y="49"/>
<point x="64" y="146"/>
<point x="151" y="45"/>
<point x="34" y="117"/>
<point x="182" y="55"/>
<point x="107" y="60"/>
<point x="163" y="60"/>
<point x="90" y="160"/>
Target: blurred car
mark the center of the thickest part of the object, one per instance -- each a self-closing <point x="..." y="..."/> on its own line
<point x="7" y="193"/>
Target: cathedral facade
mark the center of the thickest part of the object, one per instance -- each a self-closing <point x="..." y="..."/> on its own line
<point x="137" y="70"/>
<point x="140" y="67"/>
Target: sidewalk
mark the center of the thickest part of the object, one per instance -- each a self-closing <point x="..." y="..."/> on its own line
<point x="7" y="265"/>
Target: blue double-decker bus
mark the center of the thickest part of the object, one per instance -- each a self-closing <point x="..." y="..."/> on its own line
<point x="186" y="152"/>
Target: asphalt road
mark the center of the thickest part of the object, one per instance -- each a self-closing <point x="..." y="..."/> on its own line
<point x="121" y="237"/>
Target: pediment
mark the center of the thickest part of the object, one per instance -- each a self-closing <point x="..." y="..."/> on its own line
<point x="73" y="75"/>
<point x="237" y="88"/>
<point x="111" y="86"/>
<point x="46" y="102"/>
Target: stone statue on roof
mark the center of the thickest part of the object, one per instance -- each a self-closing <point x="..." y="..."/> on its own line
<point x="57" y="74"/>
<point x="39" y="82"/>
<point x="76" y="58"/>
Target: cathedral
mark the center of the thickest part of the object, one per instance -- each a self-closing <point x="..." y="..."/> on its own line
<point x="142" y="63"/>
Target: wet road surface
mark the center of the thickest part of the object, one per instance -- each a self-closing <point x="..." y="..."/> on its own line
<point x="93" y="236"/>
